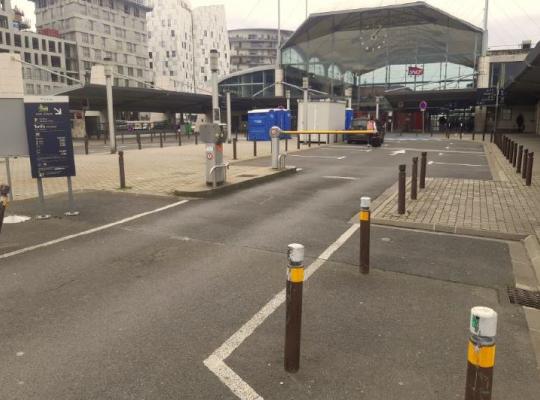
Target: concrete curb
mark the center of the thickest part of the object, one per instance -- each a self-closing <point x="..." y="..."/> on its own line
<point x="450" y="229"/>
<point x="533" y="251"/>
<point x="228" y="188"/>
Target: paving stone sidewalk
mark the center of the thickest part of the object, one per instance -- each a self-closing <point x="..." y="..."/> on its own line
<point x="158" y="171"/>
<point x="503" y="207"/>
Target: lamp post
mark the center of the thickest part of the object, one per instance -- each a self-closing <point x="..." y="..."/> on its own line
<point x="110" y="113"/>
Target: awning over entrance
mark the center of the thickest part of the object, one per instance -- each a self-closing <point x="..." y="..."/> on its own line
<point x="408" y="100"/>
<point x="525" y="87"/>
<point x="138" y="99"/>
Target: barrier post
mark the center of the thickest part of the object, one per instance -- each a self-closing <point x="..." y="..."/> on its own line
<point x="481" y="354"/>
<point x="423" y="166"/>
<point x="298" y="142"/>
<point x="524" y="166"/>
<point x="365" y="227"/>
<point x="86" y="144"/>
<point x="4" y="200"/>
<point x="255" y="147"/>
<point x="519" y="159"/>
<point x="139" y="143"/>
<point x="180" y="138"/>
<point x="401" y="189"/>
<point x="160" y="139"/>
<point x="293" y="317"/>
<point x="514" y="155"/>
<point x="414" y="179"/>
<point x="122" y="170"/>
<point x="528" y="177"/>
<point x="234" y="148"/>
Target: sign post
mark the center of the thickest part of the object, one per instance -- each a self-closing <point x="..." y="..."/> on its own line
<point x="50" y="143"/>
<point x="423" y="107"/>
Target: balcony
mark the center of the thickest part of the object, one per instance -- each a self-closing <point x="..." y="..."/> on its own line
<point x="146" y="5"/>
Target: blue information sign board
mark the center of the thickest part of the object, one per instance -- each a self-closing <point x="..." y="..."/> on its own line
<point x="48" y="127"/>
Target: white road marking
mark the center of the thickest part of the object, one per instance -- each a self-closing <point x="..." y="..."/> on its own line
<point x="15" y="219"/>
<point x="90" y="231"/>
<point x="335" y="158"/>
<point x="350" y="178"/>
<point x="215" y="362"/>
<point x="395" y="152"/>
<point x="465" y="165"/>
<point x="444" y="151"/>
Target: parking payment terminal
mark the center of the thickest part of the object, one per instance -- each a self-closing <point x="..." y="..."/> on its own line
<point x="213" y="135"/>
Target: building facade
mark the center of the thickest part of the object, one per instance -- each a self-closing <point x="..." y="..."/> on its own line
<point x="103" y="29"/>
<point x="48" y="61"/>
<point x="180" y="40"/>
<point x="254" y="47"/>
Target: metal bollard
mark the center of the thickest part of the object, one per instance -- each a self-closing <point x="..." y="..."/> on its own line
<point x="139" y="143"/>
<point x="298" y="142"/>
<point x="423" y="166"/>
<point x="122" y="170"/>
<point x="86" y="145"/>
<point x="254" y="147"/>
<point x="519" y="159"/>
<point x="524" y="165"/>
<point x="365" y="227"/>
<point x="473" y="136"/>
<point x="179" y="138"/>
<point x="319" y="139"/>
<point x="481" y="354"/>
<point x="234" y="148"/>
<point x="286" y="144"/>
<point x="151" y="137"/>
<point x="514" y="155"/>
<point x="401" y="189"/>
<point x="160" y="139"/>
<point x="197" y="138"/>
<point x="528" y="177"/>
<point x="4" y="200"/>
<point x="293" y="313"/>
<point x="414" y="179"/>
<point x="164" y="137"/>
<point x="309" y="140"/>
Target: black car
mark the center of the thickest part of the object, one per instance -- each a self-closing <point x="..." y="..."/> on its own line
<point x="360" y="124"/>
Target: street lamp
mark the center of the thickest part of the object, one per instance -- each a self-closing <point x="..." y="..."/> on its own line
<point x="108" y="70"/>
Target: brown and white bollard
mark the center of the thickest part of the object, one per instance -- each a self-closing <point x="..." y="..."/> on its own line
<point x="528" y="177"/>
<point x="514" y="155"/>
<point x="365" y="227"/>
<point x="524" y="166"/>
<point x="286" y="144"/>
<point x="4" y="200"/>
<point x="122" y="170"/>
<point x="86" y="144"/>
<point x="401" y="189"/>
<point x="298" y="142"/>
<point x="519" y="159"/>
<point x="254" y="147"/>
<point x="414" y="179"/>
<point x="180" y="138"/>
<point x="160" y="139"/>
<point x="139" y="143"/>
<point x="481" y="354"/>
<point x="293" y="301"/>
<point x="234" y="148"/>
<point x="423" y="166"/>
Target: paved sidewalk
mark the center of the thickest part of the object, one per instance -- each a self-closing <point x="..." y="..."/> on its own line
<point x="502" y="207"/>
<point x="158" y="171"/>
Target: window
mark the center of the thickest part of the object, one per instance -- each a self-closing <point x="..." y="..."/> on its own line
<point x="8" y="39"/>
<point x="173" y="53"/>
<point x="150" y="54"/>
<point x="28" y="57"/>
<point x="55" y="62"/>
<point x="126" y="59"/>
<point x="120" y="69"/>
<point x="172" y="32"/>
<point x="4" y="22"/>
<point x="29" y="88"/>
<point x="44" y="59"/>
<point x="54" y="77"/>
<point x="87" y="66"/>
<point x="17" y="40"/>
<point x="126" y="8"/>
<point x="202" y="70"/>
<point x="59" y="47"/>
<point x="26" y="42"/>
<point x="167" y="53"/>
<point x="52" y="46"/>
<point x="85" y="38"/>
<point x="130" y="71"/>
<point x="136" y="11"/>
<point x="118" y="45"/>
<point x="107" y="28"/>
<point x="151" y="65"/>
<point x="139" y="73"/>
<point x="86" y="52"/>
<point x="36" y="59"/>
<point x="97" y="54"/>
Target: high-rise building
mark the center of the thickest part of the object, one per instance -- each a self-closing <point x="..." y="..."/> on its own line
<point x="47" y="59"/>
<point x="180" y="40"/>
<point x="254" y="47"/>
<point x="102" y="29"/>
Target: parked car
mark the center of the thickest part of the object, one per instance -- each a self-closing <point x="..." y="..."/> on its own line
<point x="360" y="124"/>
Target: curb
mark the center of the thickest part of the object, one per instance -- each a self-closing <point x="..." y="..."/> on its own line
<point x="228" y="188"/>
<point x="452" y="229"/>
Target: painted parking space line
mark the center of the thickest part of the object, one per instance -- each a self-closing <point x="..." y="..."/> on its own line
<point x="329" y="157"/>
<point x="90" y="231"/>
<point x="349" y="178"/>
<point x="216" y="361"/>
<point x="478" y="152"/>
<point x="464" y="165"/>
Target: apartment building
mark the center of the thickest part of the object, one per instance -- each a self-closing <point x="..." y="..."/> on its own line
<point x="112" y="30"/>
<point x="180" y="40"/>
<point x="254" y="47"/>
<point x="40" y="53"/>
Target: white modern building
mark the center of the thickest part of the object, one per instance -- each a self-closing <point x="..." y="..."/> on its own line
<point x="47" y="60"/>
<point x="180" y="40"/>
<point x="102" y="29"/>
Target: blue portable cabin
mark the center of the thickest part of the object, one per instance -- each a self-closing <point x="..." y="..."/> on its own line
<point x="348" y="118"/>
<point x="260" y="122"/>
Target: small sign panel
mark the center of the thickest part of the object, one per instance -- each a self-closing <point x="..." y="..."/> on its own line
<point x="488" y="96"/>
<point x="416" y="71"/>
<point x="423" y="105"/>
<point x="48" y="128"/>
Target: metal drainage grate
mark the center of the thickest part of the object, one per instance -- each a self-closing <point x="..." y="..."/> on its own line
<point x="524" y="297"/>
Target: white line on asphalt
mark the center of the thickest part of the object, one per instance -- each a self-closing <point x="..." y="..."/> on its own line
<point x="335" y="158"/>
<point x="442" y="151"/>
<point x="93" y="230"/>
<point x="350" y="178"/>
<point x="215" y="362"/>
<point x="449" y="163"/>
<point x="395" y="152"/>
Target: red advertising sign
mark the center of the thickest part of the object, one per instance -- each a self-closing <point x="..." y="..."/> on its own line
<point x="416" y="71"/>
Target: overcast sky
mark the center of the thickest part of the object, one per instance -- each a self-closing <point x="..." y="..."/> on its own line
<point x="510" y="21"/>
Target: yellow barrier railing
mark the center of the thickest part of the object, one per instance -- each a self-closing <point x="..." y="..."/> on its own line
<point x="351" y="132"/>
